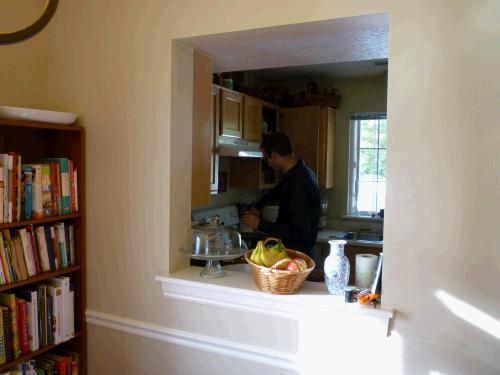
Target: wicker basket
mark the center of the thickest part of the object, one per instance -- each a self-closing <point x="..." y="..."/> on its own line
<point x="279" y="281"/>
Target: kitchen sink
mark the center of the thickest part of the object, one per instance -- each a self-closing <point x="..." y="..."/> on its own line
<point x="362" y="236"/>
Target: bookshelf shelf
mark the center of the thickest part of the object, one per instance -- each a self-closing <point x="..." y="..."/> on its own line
<point x="48" y="219"/>
<point x="35" y="141"/>
<point x="40" y="277"/>
<point x="30" y="355"/>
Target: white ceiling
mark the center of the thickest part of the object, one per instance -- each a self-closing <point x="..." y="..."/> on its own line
<point x="352" y="39"/>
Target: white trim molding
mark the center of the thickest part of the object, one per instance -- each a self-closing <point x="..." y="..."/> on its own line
<point x="192" y="340"/>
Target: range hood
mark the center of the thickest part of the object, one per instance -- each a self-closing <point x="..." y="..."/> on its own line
<point x="236" y="147"/>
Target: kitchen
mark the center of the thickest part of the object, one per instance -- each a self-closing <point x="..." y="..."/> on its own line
<point x="351" y="87"/>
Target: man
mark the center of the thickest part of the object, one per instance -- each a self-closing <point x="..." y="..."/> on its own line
<point x="298" y="196"/>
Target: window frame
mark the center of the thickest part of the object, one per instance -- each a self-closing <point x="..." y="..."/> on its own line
<point x="353" y="171"/>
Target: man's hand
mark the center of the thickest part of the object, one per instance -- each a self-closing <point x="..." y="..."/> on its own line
<point x="250" y="220"/>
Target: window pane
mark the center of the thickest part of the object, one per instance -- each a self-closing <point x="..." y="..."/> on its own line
<point x="383" y="134"/>
<point x="381" y="196"/>
<point x="367" y="196"/>
<point x="367" y="165"/>
<point x="368" y="130"/>
<point x="381" y="165"/>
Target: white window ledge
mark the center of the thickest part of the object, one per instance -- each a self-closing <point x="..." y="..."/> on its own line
<point x="237" y="291"/>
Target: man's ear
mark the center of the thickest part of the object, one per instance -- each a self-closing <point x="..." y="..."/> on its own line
<point x="274" y="155"/>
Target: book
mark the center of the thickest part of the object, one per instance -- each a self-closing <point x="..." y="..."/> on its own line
<point x="10" y="190"/>
<point x="55" y="246"/>
<point x="26" y="192"/>
<point x="31" y="298"/>
<point x="72" y="182"/>
<point x="72" y="249"/>
<point x="7" y="331"/>
<point x="71" y="318"/>
<point x="8" y="252"/>
<point x="55" y="293"/>
<point x="22" y="328"/>
<point x="55" y="189"/>
<point x="50" y="249"/>
<point x="42" y="249"/>
<point x="5" y="261"/>
<point x="61" y="362"/>
<point x="13" y="186"/>
<point x="75" y="186"/>
<point x="9" y="300"/>
<point x="64" y="183"/>
<point x="4" y="160"/>
<point x="36" y="192"/>
<point x="3" y="353"/>
<point x="27" y="251"/>
<point x="18" y="185"/>
<point x="18" y="258"/>
<point x="63" y="283"/>
<point x="42" y="314"/>
<point x="35" y="251"/>
<point x="46" y="191"/>
<point x="61" y="241"/>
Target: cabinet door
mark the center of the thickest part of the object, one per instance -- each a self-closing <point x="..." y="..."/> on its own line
<point x="326" y="147"/>
<point x="214" y="136"/>
<point x="252" y="119"/>
<point x="202" y="125"/>
<point x="231" y="113"/>
<point x="302" y="125"/>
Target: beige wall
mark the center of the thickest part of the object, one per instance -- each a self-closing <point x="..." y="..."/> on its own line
<point x="23" y="66"/>
<point x="111" y="63"/>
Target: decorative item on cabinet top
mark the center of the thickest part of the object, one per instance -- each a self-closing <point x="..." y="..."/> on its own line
<point x="38" y="115"/>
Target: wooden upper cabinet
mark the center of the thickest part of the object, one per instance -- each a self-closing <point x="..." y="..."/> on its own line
<point x="312" y="131"/>
<point x="203" y="133"/>
<point x="231" y="113"/>
<point x="252" y="121"/>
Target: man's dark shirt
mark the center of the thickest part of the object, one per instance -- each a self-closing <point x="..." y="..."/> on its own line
<point x="299" y="209"/>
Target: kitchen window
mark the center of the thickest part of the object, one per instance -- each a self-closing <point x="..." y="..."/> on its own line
<point x="367" y="164"/>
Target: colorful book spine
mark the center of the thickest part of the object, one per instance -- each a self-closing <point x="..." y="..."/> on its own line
<point x="50" y="249"/>
<point x="22" y="328"/>
<point x="5" y="261"/>
<point x="27" y="251"/>
<point x="13" y="187"/>
<point x="65" y="190"/>
<point x="10" y="187"/>
<point x="46" y="191"/>
<point x="7" y="330"/>
<point x="18" y="193"/>
<point x="4" y="159"/>
<point x="36" y="195"/>
<point x="34" y="248"/>
<point x="27" y="192"/>
<point x="31" y="298"/>
<point x="9" y="300"/>
<point x="72" y="185"/>
<point x="3" y="352"/>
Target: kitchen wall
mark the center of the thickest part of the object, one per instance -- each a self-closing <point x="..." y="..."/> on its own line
<point x="111" y="63"/>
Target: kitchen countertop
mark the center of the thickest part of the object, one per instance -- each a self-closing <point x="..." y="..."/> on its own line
<point x="325" y="235"/>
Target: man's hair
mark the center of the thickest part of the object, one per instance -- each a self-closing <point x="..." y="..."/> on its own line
<point x="277" y="142"/>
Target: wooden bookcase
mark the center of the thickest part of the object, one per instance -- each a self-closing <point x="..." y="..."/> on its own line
<point x="35" y="140"/>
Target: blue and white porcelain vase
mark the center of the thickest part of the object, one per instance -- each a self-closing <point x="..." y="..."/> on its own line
<point x="336" y="268"/>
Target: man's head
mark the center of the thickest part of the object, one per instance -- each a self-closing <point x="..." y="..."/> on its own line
<point x="277" y="150"/>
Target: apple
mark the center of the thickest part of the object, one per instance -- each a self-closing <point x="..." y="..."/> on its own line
<point x="292" y="266"/>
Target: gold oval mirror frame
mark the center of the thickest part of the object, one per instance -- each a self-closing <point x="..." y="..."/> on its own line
<point x="34" y="28"/>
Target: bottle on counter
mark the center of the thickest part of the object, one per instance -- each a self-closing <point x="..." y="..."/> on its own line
<point x="336" y="268"/>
